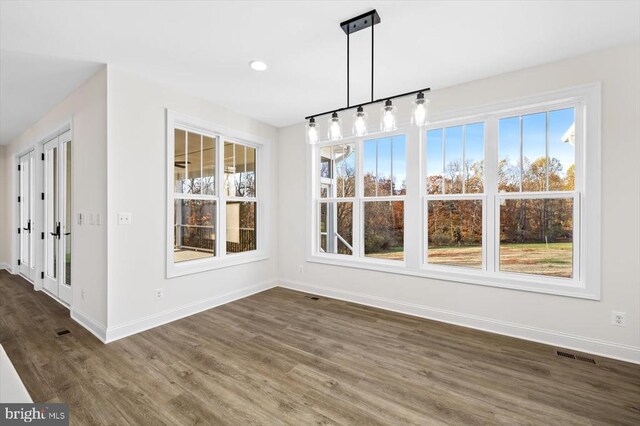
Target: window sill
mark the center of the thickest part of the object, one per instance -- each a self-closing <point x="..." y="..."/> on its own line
<point x="512" y="281"/>
<point x="202" y="265"/>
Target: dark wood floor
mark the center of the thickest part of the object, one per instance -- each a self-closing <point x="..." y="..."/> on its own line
<point x="280" y="357"/>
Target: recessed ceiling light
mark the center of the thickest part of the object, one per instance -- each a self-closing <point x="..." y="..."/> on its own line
<point x="258" y="65"/>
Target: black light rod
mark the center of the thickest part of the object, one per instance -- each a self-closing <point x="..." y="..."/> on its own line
<point x="369" y="103"/>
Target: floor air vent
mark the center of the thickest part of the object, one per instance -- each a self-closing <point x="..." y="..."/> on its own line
<point x="62" y="332"/>
<point x="576" y="357"/>
<point x="313" y="297"/>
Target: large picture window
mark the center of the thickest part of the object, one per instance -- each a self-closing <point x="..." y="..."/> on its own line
<point x="508" y="196"/>
<point x="214" y="195"/>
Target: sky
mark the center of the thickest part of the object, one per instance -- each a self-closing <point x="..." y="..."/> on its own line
<point x="534" y="133"/>
<point x="534" y="137"/>
<point x="391" y="151"/>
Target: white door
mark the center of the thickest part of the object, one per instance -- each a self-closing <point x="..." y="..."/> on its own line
<point x="26" y="191"/>
<point x="57" y="217"/>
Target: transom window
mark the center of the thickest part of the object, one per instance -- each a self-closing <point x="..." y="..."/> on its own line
<point x="501" y="197"/>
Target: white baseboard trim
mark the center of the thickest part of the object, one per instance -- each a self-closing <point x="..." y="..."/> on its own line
<point x="6" y="266"/>
<point x="127" y="329"/>
<point x="578" y="343"/>
<point x="96" y="328"/>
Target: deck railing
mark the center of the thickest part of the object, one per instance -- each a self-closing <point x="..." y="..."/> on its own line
<point x="203" y="238"/>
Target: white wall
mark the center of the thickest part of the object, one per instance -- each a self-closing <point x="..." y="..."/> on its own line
<point x="581" y="324"/>
<point x="137" y="169"/>
<point x="87" y="105"/>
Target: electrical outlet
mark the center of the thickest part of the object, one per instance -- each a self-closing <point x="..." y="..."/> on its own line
<point x="159" y="294"/>
<point x="619" y="318"/>
<point x="300" y="269"/>
<point x="82" y="294"/>
<point x="124" y="218"/>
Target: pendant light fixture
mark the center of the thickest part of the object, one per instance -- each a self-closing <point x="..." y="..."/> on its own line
<point x="389" y="113"/>
<point x="360" y="122"/>
<point x="312" y="131"/>
<point x="420" y="110"/>
<point x="335" y="127"/>
<point x="388" y="122"/>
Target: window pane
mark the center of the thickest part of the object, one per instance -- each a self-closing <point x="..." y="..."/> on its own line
<point x="251" y="172"/>
<point x="455" y="233"/>
<point x="434" y="161"/>
<point x="384" y="229"/>
<point x="562" y="141"/>
<point x="67" y="214"/>
<point x="241" y="226"/>
<point x="453" y="160"/>
<point x="208" y="165"/>
<point x="194" y="163"/>
<point x="534" y="152"/>
<point x="399" y="159"/>
<point x="194" y="229"/>
<point x="336" y="227"/>
<point x="229" y="169"/>
<point x="536" y="236"/>
<point x="326" y="172"/>
<point x="509" y="154"/>
<point x="179" y="160"/>
<point x="384" y="167"/>
<point x="240" y="171"/>
<point x="369" y="171"/>
<point x="345" y="162"/>
<point x="474" y="158"/>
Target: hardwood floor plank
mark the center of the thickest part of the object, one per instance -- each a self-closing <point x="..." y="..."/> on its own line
<point x="280" y="357"/>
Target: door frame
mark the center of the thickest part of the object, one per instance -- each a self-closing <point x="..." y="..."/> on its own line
<point x="37" y="147"/>
<point x="30" y="274"/>
<point x="64" y="294"/>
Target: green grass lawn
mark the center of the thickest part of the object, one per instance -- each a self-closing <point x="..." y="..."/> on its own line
<point x="553" y="259"/>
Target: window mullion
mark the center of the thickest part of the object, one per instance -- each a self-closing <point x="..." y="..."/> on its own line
<point x="357" y="227"/>
<point x="464" y="165"/>
<point x="490" y="209"/>
<point x="221" y="236"/>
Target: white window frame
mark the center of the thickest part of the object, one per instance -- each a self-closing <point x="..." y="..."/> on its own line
<point x="587" y="194"/>
<point x="358" y="202"/>
<point x="220" y="135"/>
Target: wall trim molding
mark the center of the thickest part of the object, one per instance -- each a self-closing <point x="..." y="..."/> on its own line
<point x="94" y="327"/>
<point x="548" y="337"/>
<point x="127" y="329"/>
<point x="6" y="267"/>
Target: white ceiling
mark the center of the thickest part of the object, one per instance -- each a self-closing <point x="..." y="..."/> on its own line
<point x="31" y="85"/>
<point x="204" y="48"/>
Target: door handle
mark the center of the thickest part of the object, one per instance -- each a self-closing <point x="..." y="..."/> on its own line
<point x="28" y="228"/>
<point x="57" y="233"/>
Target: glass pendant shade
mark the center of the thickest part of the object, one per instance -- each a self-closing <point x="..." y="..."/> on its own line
<point x="312" y="131"/>
<point x="389" y="117"/>
<point x="335" y="127"/>
<point x="420" y="111"/>
<point x="360" y="122"/>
